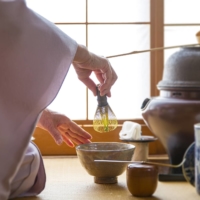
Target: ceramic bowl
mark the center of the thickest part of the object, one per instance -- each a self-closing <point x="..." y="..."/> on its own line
<point x="104" y="172"/>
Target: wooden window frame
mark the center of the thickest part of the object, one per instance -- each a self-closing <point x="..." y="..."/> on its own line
<point x="45" y="142"/>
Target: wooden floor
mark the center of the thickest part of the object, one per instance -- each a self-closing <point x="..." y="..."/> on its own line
<point x="68" y="180"/>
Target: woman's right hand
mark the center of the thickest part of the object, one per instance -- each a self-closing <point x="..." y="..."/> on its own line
<point x="86" y="62"/>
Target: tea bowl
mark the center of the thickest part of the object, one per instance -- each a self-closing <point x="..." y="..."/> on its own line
<point x="104" y="173"/>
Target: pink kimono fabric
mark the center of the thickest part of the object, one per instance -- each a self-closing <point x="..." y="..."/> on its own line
<point x="34" y="59"/>
<point x="30" y="179"/>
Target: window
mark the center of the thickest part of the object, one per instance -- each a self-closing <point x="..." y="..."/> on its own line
<point x="181" y="23"/>
<point x="106" y="27"/>
<point x="110" y="27"/>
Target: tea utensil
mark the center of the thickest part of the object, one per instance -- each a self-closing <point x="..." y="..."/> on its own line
<point x="142" y="162"/>
<point x="153" y="49"/>
<point x="159" y="48"/>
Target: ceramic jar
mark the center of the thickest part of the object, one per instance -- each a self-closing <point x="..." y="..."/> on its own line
<point x="141" y="179"/>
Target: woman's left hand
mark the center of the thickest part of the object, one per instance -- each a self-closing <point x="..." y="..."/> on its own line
<point x="61" y="128"/>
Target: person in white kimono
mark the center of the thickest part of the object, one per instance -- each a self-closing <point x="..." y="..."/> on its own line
<point x="34" y="60"/>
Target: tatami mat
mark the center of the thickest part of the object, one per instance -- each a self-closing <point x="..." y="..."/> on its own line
<point x="68" y="180"/>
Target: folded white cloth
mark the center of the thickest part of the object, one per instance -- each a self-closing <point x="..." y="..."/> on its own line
<point x="130" y="131"/>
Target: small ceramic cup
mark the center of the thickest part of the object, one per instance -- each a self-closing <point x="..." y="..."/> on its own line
<point x="197" y="157"/>
<point x="142" y="179"/>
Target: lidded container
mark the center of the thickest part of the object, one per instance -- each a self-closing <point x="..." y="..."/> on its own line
<point x="141" y="179"/>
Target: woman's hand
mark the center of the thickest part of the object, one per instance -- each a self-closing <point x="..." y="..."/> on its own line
<point x="62" y="129"/>
<point x="86" y="62"/>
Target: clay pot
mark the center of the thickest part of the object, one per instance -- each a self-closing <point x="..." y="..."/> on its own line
<point x="172" y="115"/>
<point x="141" y="179"/>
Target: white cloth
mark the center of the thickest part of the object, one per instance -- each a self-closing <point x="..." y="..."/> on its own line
<point x="130" y="131"/>
<point x="34" y="59"/>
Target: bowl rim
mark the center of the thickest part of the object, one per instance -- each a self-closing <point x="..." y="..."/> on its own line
<point x="130" y="147"/>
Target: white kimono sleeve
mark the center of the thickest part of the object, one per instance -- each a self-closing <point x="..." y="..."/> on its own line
<point x="34" y="59"/>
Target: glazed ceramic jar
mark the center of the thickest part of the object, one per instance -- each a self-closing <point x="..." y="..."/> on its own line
<point x="172" y="115"/>
<point x="141" y="179"/>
